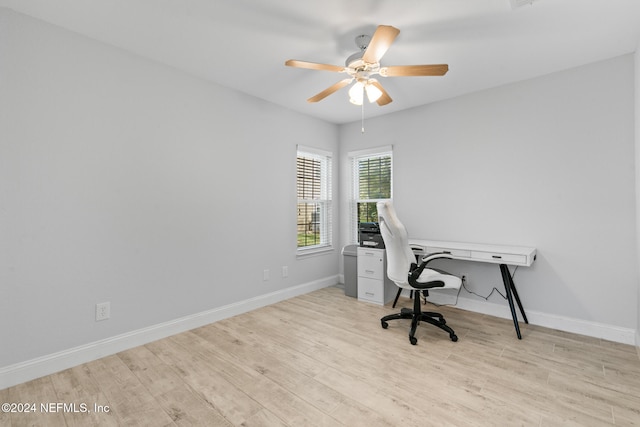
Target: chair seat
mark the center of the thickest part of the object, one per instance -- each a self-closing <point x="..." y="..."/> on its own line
<point x="430" y="275"/>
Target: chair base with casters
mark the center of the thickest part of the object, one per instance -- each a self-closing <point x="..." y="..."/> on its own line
<point x="417" y="315"/>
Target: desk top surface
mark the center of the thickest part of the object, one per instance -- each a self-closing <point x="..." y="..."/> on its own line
<point x="473" y="246"/>
<point x="481" y="252"/>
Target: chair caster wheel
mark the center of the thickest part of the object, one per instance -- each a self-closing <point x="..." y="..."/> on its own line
<point x="413" y="340"/>
<point x="454" y="337"/>
<point x="385" y="325"/>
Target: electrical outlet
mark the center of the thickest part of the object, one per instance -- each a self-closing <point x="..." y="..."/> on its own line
<point x="285" y="271"/>
<point x="265" y="275"/>
<point x="103" y="311"/>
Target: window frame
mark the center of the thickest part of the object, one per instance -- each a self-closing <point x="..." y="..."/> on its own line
<point x="324" y="201"/>
<point x="355" y="157"/>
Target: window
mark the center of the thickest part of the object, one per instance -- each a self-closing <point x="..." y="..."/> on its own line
<point x="313" y="180"/>
<point x="372" y="182"/>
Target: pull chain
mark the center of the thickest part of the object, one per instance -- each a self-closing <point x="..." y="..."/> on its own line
<point x="362" y="109"/>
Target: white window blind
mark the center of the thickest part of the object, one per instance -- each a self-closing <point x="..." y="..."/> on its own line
<point x="313" y="181"/>
<point x="372" y="175"/>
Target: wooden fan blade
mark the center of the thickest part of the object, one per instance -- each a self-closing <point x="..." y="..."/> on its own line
<point x="414" y="70"/>
<point x="380" y="42"/>
<point x="313" y="65"/>
<point x="328" y="91"/>
<point x="384" y="98"/>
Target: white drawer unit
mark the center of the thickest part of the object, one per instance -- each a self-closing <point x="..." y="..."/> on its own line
<point x="373" y="284"/>
<point x="500" y="258"/>
<point x="457" y="253"/>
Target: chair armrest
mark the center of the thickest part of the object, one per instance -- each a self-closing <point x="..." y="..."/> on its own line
<point x="415" y="273"/>
<point x="436" y="255"/>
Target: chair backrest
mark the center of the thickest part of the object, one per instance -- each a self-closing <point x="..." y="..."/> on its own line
<point x="396" y="241"/>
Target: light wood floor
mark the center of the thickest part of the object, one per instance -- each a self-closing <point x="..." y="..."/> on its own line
<point x="323" y="359"/>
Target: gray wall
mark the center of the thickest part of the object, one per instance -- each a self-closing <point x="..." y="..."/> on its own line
<point x="548" y="163"/>
<point x="126" y="181"/>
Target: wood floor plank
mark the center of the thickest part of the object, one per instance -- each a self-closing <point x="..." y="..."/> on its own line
<point x="76" y="385"/>
<point x="543" y="400"/>
<point x="269" y="393"/>
<point x="36" y="398"/>
<point x="378" y="401"/>
<point x="323" y="359"/>
<point x="128" y="399"/>
<point x="5" y="415"/>
<point x="626" y="416"/>
<point x="263" y="418"/>
<point x="203" y="377"/>
<point x="595" y="392"/>
<point x="353" y="413"/>
<point x="178" y="400"/>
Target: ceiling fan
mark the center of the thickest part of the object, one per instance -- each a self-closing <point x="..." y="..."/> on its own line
<point x="363" y="65"/>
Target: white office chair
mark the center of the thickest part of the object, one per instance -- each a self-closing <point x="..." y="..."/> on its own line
<point x="403" y="270"/>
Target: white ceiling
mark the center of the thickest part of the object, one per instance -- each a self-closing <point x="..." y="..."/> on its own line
<point x="242" y="44"/>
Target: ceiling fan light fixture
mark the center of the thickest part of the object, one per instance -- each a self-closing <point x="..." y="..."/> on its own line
<point x="356" y="93"/>
<point x="373" y="93"/>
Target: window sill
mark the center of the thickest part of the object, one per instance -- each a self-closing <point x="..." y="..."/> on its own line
<point x="307" y="253"/>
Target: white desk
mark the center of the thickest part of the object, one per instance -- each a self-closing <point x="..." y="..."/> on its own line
<point x="495" y="254"/>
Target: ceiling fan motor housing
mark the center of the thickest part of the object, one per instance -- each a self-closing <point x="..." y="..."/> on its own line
<point x="362" y="41"/>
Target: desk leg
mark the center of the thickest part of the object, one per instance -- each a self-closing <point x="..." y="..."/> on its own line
<point x="515" y="294"/>
<point x="511" y="291"/>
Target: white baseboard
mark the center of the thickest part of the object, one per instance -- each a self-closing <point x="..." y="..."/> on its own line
<point x="51" y="363"/>
<point x="561" y="323"/>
